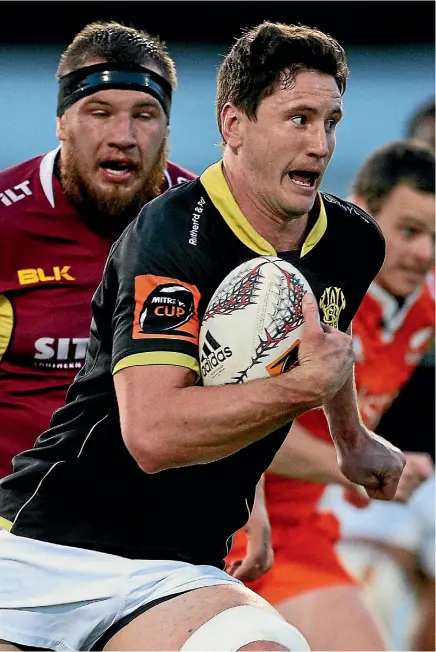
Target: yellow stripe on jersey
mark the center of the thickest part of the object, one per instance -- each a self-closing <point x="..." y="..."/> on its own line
<point x="158" y="357"/>
<point x="6" y="323"/>
<point x="5" y="524"/>
<point x="219" y="192"/>
<point x="317" y="231"/>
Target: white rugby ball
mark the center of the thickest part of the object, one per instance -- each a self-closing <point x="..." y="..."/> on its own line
<point x="253" y="323"/>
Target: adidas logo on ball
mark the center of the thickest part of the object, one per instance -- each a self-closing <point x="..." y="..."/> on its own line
<point x="212" y="354"/>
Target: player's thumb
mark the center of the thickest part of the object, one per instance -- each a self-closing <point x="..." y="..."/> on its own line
<point x="310" y="314"/>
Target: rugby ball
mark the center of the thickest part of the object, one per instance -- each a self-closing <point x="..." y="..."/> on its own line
<point x="253" y="323"/>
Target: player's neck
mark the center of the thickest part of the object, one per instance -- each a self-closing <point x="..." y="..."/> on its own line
<point x="283" y="232"/>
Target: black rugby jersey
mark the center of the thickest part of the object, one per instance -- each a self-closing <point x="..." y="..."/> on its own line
<point x="79" y="486"/>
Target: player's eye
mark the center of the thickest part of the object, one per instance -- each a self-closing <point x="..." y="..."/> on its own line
<point x="300" y="120"/>
<point x="409" y="232"/>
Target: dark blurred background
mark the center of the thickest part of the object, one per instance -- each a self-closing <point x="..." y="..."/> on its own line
<point x="365" y="23"/>
<point x="390" y="47"/>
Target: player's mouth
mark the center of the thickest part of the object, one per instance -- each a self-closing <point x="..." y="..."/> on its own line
<point x="304" y="179"/>
<point x="117" y="171"/>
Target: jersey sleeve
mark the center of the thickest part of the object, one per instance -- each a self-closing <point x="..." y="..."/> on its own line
<point x="155" y="278"/>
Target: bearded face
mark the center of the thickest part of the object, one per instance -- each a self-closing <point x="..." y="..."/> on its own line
<point x="113" y="156"/>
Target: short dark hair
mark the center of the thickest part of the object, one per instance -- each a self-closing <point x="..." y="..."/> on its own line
<point x="116" y="43"/>
<point x="424" y="112"/>
<point x="252" y="67"/>
<point x="403" y="161"/>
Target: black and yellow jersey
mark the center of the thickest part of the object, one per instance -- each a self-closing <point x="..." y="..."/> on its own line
<point x="79" y="486"/>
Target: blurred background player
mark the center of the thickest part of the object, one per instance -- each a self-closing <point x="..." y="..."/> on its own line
<point x="399" y="571"/>
<point x="308" y="583"/>
<point x="61" y="212"/>
<point x="393" y="551"/>
<point x="402" y="418"/>
<point x="421" y="123"/>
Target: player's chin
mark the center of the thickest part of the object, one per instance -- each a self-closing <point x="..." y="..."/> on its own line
<point x="298" y="206"/>
<point x="406" y="285"/>
<point x="299" y="199"/>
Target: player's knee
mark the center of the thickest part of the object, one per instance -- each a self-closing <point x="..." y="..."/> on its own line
<point x="5" y="646"/>
<point x="243" y="628"/>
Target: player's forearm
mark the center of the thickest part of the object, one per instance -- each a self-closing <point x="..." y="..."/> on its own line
<point x="259" y="507"/>
<point x="197" y="425"/>
<point x="304" y="457"/>
<point x="343" y="415"/>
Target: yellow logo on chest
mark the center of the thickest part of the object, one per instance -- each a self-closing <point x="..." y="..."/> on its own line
<point x="332" y="303"/>
<point x="38" y="275"/>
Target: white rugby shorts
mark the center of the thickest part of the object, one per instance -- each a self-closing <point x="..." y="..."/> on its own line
<point x="66" y="598"/>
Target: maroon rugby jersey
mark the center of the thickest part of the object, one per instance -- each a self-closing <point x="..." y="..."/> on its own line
<point x="50" y="265"/>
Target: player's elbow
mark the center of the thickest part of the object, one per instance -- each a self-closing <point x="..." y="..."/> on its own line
<point x="148" y="457"/>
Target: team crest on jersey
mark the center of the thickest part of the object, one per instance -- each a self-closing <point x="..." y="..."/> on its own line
<point x="165" y="307"/>
<point x="332" y="303"/>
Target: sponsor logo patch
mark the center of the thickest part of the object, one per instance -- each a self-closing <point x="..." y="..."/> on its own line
<point x="213" y="354"/>
<point x="165" y="307"/>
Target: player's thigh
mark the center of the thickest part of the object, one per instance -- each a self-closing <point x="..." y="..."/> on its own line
<point x="167" y="626"/>
<point x="8" y="647"/>
<point x="334" y="618"/>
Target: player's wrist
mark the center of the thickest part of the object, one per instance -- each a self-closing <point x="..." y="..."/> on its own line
<point x="305" y="387"/>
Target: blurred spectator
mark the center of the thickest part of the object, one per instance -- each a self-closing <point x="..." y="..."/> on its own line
<point x="421" y="124"/>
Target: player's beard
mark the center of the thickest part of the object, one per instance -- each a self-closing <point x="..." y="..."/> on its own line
<point x="110" y="211"/>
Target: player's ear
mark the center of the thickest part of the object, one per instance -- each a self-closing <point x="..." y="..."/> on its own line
<point x="231" y="125"/>
<point x="60" y="128"/>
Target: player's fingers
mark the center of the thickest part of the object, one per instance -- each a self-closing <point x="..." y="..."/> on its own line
<point x="250" y="569"/>
<point x="232" y="568"/>
<point x="326" y="328"/>
<point x="356" y="496"/>
<point x="312" y="323"/>
<point x="386" y="492"/>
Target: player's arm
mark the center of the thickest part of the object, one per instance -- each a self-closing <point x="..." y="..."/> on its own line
<point x="305" y="457"/>
<point x="167" y="421"/>
<point x="364" y="457"/>
<point x="259" y="555"/>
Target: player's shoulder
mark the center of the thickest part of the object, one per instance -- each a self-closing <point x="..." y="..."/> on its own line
<point x="170" y="222"/>
<point x="16" y="174"/>
<point x="350" y="225"/>
<point x="24" y="184"/>
<point x="174" y="174"/>
<point x="348" y="215"/>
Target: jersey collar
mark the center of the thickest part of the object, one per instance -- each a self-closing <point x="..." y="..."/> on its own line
<point x="46" y="168"/>
<point x="393" y="316"/>
<point x="219" y="192"/>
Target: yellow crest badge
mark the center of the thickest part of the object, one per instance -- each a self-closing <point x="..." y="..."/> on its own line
<point x="332" y="303"/>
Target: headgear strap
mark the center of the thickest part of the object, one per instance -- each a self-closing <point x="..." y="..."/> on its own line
<point x="90" y="79"/>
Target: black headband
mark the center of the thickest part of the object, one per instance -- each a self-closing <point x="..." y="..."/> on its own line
<point x="90" y="79"/>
